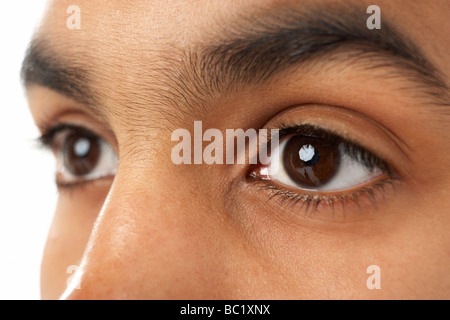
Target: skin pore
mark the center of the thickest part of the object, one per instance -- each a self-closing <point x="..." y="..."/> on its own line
<point x="138" y="70"/>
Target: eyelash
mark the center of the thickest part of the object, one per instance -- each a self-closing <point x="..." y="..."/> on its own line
<point x="47" y="139"/>
<point x="310" y="203"/>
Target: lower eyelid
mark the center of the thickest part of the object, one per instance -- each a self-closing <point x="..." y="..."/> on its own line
<point x="64" y="186"/>
<point x="336" y="206"/>
<point x="323" y="193"/>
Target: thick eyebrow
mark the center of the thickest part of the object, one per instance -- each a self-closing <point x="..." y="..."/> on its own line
<point x="254" y="50"/>
<point x="47" y="68"/>
<point x="257" y="50"/>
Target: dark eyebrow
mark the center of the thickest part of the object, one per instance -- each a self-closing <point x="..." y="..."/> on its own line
<point x="255" y="49"/>
<point x="259" y="49"/>
<point x="43" y="66"/>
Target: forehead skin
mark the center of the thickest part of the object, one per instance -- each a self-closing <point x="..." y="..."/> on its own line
<point x="132" y="51"/>
<point x="136" y="52"/>
<point x="136" y="42"/>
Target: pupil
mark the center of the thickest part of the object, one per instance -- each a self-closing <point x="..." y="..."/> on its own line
<point x="80" y="153"/>
<point x="311" y="161"/>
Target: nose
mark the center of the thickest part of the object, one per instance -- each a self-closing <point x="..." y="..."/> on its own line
<point x="150" y="241"/>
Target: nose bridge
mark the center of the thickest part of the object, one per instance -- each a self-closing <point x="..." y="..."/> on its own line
<point x="110" y="251"/>
<point x="142" y="243"/>
<point x="125" y="238"/>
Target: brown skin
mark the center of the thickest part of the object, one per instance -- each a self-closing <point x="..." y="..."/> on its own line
<point x="168" y="231"/>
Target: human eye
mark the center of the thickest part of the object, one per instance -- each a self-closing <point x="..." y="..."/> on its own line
<point x="81" y="155"/>
<point x="313" y="165"/>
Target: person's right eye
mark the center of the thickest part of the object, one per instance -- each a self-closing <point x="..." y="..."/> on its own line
<point x="81" y="155"/>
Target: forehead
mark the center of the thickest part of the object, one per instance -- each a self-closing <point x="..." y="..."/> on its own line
<point x="165" y="21"/>
<point x="131" y="47"/>
<point x="125" y="34"/>
<point x="150" y="25"/>
<point x="134" y="50"/>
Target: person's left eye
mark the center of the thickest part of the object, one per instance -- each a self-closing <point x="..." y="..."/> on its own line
<point x="81" y="156"/>
<point x="316" y="162"/>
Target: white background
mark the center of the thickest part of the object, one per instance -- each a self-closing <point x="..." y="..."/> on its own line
<point x="27" y="192"/>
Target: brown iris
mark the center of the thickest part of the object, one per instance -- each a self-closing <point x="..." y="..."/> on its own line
<point x="311" y="161"/>
<point x="81" y="153"/>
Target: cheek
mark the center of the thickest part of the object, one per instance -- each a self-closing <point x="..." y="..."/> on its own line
<point x="331" y="259"/>
<point x="75" y="214"/>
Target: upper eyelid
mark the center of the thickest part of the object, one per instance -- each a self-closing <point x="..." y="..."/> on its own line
<point x="312" y="129"/>
<point x="47" y="138"/>
<point x="308" y="129"/>
<point x="351" y="119"/>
